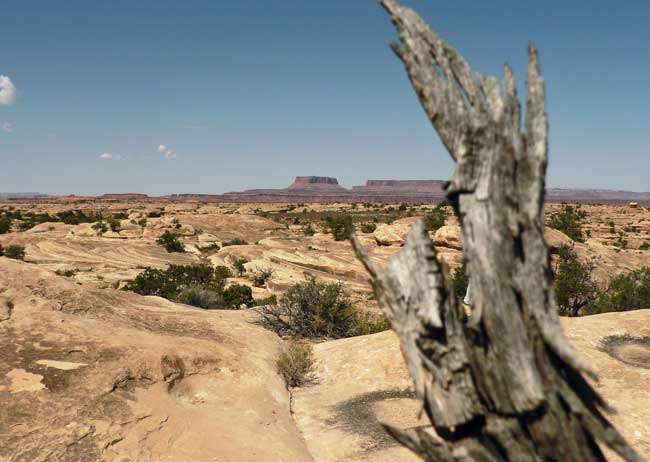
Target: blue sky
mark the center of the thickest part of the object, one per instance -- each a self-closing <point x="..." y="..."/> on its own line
<point x="251" y="93"/>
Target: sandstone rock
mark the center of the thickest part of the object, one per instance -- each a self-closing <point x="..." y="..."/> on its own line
<point x="448" y="236"/>
<point x="556" y="239"/>
<point x="393" y="234"/>
<point x="339" y="416"/>
<point x="83" y="230"/>
<point x="115" y="376"/>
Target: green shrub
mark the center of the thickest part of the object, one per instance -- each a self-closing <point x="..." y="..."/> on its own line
<point x="15" y="252"/>
<point x="368" y="228"/>
<point x="340" y="225"/>
<point x="435" y="219"/>
<point x="171" y="243"/>
<point x="239" y="266"/>
<point x="5" y="225"/>
<point x="270" y="300"/>
<point x="569" y="221"/>
<point x="100" y="226"/>
<point x="237" y="295"/>
<point x="316" y="309"/>
<point x="296" y="365"/>
<point x="645" y="246"/>
<point x="114" y="224"/>
<point x="460" y="281"/>
<point x="574" y="287"/>
<point x="199" y="296"/>
<point x="168" y="283"/>
<point x="309" y="230"/>
<point x="629" y="291"/>
<point x="369" y="323"/>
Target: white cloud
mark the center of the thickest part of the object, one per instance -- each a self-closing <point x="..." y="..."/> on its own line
<point x="195" y="127"/>
<point x="7" y="127"/>
<point x="8" y="92"/>
<point x="110" y="156"/>
<point x="169" y="154"/>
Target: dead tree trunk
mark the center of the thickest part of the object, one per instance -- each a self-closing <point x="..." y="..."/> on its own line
<point x="502" y="384"/>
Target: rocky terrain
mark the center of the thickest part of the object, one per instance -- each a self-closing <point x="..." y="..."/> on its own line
<point x="89" y="372"/>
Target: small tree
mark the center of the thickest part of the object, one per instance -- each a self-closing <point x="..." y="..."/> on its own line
<point x="568" y="220"/>
<point x="309" y="230"/>
<point x="339" y="225"/>
<point x="170" y="242"/>
<point x="239" y="266"/>
<point x="574" y="286"/>
<point x="630" y="291"/>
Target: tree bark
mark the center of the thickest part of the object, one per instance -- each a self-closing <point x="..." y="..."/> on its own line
<point x="502" y="384"/>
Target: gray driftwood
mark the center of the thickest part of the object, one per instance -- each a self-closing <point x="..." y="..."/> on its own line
<point x="502" y="384"/>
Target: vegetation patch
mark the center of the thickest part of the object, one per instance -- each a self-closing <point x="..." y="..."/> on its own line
<point x="313" y="309"/>
<point x="171" y="243"/>
<point x="296" y="365"/>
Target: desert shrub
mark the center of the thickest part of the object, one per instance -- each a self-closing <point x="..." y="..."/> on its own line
<point x="168" y="283"/>
<point x="261" y="276"/>
<point x="214" y="247"/>
<point x="460" y="281"/>
<point x="239" y="266"/>
<point x="170" y="242"/>
<point x="340" y="225"/>
<point x="574" y="287"/>
<point x="368" y="228"/>
<point x="629" y="291"/>
<point x="75" y="217"/>
<point x="270" y="300"/>
<point x="114" y="224"/>
<point x="296" y="365"/>
<point x="154" y="214"/>
<point x="234" y="241"/>
<point x="237" y="295"/>
<point x="100" y="226"/>
<point x="5" y="224"/>
<point x="142" y="222"/>
<point x="435" y="219"/>
<point x="568" y="220"/>
<point x="197" y="295"/>
<point x="314" y="309"/>
<point x="370" y="323"/>
<point x="644" y="246"/>
<point x="15" y="252"/>
<point x="309" y="230"/>
<point x="120" y="216"/>
<point x="66" y="272"/>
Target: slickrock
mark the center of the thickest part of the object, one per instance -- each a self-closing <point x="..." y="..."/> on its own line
<point x="89" y="375"/>
<point x="363" y="380"/>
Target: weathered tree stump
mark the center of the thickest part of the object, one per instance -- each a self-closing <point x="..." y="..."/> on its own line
<point x="502" y="384"/>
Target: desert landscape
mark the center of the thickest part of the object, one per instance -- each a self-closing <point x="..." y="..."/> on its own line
<point x="231" y="232"/>
<point x="91" y="371"/>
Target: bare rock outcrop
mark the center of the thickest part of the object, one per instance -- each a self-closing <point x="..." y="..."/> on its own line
<point x="88" y="375"/>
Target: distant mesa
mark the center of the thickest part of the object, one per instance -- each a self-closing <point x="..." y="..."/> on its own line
<point x="316" y="183"/>
<point x="326" y="189"/>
